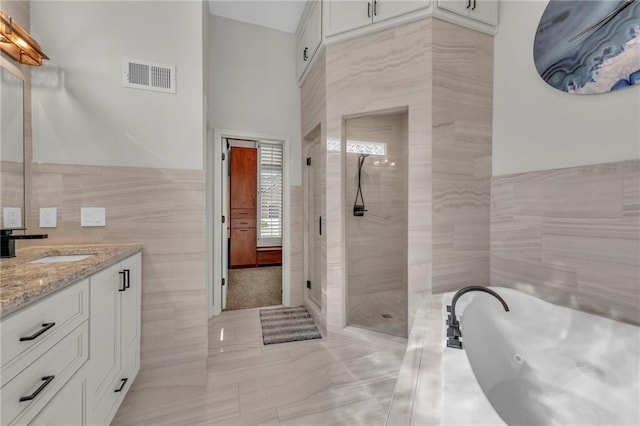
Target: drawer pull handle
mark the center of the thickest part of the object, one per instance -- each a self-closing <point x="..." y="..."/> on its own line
<point x="128" y="276"/>
<point x="46" y="326"/>
<point x="124" y="382"/>
<point x="47" y="380"/>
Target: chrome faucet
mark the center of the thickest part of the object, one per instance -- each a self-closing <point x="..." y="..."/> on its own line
<point x="453" y="331"/>
<point x="8" y="244"/>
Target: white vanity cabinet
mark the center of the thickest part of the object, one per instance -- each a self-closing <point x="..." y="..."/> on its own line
<point x="69" y="358"/>
<point x="343" y="16"/>
<point x="309" y="35"/>
<point x="115" y="352"/>
<point x="484" y="11"/>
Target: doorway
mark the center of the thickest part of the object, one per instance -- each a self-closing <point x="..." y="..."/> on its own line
<point x="249" y="236"/>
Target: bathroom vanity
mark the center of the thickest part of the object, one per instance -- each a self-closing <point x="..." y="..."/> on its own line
<point x="70" y="321"/>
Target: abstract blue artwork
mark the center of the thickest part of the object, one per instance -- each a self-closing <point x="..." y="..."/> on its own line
<point x="589" y="47"/>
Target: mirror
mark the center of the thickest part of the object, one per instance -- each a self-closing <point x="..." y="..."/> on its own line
<point x="11" y="150"/>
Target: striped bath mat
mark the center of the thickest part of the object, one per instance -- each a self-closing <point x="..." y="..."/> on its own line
<point x="282" y="325"/>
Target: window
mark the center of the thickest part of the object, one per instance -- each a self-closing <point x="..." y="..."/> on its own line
<point x="270" y="188"/>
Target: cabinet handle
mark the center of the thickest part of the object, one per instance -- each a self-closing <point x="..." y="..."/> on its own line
<point x="375" y="7"/>
<point x="369" y="9"/>
<point x="124" y="281"/>
<point x="304" y="54"/>
<point x="127" y="273"/>
<point x="468" y="4"/>
<point x="320" y="222"/>
<point x="244" y="230"/>
<point x="47" y="380"/>
<point x="46" y="326"/>
<point x="474" y="5"/>
<point x="124" y="382"/>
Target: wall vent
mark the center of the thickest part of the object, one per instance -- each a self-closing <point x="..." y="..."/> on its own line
<point x="149" y="76"/>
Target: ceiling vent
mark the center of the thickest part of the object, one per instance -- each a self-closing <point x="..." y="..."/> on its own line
<point x="149" y="76"/>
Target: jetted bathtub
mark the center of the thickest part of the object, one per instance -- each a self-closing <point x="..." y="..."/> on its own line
<point x="539" y="364"/>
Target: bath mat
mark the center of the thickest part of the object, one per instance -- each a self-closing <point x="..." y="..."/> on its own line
<point x="281" y="325"/>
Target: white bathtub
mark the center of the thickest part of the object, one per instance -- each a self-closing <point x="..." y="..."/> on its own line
<point x="539" y="364"/>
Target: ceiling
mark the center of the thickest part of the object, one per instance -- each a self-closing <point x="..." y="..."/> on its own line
<point x="282" y="15"/>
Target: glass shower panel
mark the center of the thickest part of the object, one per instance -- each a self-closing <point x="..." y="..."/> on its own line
<point x="376" y="222"/>
<point x="313" y="217"/>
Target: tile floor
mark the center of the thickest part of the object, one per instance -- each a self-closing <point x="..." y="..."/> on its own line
<point x="345" y="379"/>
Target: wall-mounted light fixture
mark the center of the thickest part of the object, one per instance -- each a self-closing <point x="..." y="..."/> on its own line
<point x="16" y="42"/>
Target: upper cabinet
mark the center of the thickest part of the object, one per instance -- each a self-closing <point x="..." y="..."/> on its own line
<point x="343" y="16"/>
<point x="485" y="11"/>
<point x="309" y="35"/>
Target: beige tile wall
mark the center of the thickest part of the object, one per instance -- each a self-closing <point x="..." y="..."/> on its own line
<point x="376" y="243"/>
<point x="387" y="70"/>
<point x="571" y="236"/>
<point x="442" y="74"/>
<point x="164" y="210"/>
<point x="462" y="132"/>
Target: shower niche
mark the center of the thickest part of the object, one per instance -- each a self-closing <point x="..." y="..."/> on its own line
<point x="376" y="205"/>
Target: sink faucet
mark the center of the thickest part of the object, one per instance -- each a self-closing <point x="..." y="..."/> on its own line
<point x="453" y="331"/>
<point x="8" y="243"/>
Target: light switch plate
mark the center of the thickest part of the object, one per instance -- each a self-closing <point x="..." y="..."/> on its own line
<point x="48" y="217"/>
<point x="93" y="216"/>
<point x="12" y="217"/>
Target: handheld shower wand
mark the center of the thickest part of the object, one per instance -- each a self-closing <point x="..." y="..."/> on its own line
<point x="358" y="209"/>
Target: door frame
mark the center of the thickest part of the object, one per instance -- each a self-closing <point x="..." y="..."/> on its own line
<point x="215" y="192"/>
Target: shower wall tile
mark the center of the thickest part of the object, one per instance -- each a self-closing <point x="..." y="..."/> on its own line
<point x="571" y="236"/>
<point x="164" y="210"/>
<point x="462" y="132"/>
<point x="381" y="72"/>
<point x="296" y="247"/>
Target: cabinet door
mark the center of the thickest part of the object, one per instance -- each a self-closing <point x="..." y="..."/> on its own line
<point x="301" y="45"/>
<point x="386" y="9"/>
<point x="130" y="323"/>
<point x="66" y="408"/>
<point x="243" y="247"/>
<point x="244" y="177"/>
<point x="459" y="7"/>
<point x="484" y="11"/>
<point x="104" y="332"/>
<point x="342" y="16"/>
<point x="314" y="28"/>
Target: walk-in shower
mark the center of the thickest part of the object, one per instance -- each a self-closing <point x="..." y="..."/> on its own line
<point x="376" y="222"/>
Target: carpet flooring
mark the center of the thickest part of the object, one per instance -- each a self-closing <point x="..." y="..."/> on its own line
<point x="254" y="287"/>
<point x="281" y="325"/>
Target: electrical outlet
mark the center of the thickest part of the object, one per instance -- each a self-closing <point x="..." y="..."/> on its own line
<point x="93" y="216"/>
<point x="12" y="217"/>
<point x="48" y="217"/>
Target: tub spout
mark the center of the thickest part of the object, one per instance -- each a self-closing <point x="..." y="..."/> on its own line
<point x="453" y="330"/>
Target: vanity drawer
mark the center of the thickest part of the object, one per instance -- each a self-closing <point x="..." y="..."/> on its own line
<point x="243" y="214"/>
<point x="37" y="384"/>
<point x="239" y="223"/>
<point x="29" y="333"/>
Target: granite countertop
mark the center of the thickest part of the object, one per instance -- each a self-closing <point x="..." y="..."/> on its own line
<point x="22" y="283"/>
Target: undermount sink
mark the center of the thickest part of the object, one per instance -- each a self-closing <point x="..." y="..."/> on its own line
<point x="62" y="258"/>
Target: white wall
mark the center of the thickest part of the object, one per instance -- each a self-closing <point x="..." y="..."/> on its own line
<point x="536" y="127"/>
<point x="83" y="114"/>
<point x="253" y="84"/>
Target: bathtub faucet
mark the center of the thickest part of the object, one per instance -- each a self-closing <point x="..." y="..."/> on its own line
<point x="453" y="331"/>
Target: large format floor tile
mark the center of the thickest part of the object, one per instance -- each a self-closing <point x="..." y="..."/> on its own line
<point x="346" y="378"/>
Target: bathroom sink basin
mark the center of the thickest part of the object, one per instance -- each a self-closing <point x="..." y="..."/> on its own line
<point x="63" y="258"/>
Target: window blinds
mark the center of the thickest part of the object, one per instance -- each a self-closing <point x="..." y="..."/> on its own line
<point x="270" y="204"/>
